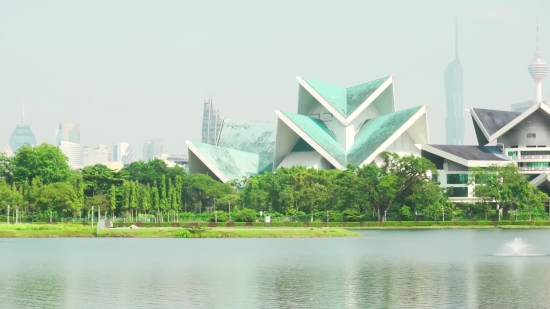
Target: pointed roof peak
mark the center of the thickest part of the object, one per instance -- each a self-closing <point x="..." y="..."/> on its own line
<point x="343" y="100"/>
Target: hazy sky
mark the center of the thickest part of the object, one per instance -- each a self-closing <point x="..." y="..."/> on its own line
<point x="129" y="70"/>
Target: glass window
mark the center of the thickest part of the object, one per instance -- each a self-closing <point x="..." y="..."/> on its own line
<point x="435" y="178"/>
<point x="531" y="135"/>
<point x="457" y="179"/>
<point x="511" y="153"/>
<point x="458" y="192"/>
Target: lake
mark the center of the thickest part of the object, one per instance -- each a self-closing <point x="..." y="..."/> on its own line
<point x="381" y="269"/>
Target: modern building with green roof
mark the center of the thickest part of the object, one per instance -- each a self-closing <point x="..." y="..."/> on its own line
<point x="332" y="127"/>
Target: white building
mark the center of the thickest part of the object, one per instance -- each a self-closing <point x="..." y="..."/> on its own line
<point x="122" y="152"/>
<point x="67" y="132"/>
<point x="98" y="155"/>
<point x="152" y="148"/>
<point x="75" y="153"/>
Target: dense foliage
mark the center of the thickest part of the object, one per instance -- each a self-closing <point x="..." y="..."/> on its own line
<point x="37" y="182"/>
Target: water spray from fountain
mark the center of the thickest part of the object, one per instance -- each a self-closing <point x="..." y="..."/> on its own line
<point x="518" y="247"/>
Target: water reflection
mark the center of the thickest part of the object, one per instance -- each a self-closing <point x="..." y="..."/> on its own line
<point x="384" y="269"/>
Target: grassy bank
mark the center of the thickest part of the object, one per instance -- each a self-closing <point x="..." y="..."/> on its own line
<point x="76" y="230"/>
<point x="449" y="227"/>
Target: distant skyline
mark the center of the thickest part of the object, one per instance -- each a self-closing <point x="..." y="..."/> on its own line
<point x="130" y="69"/>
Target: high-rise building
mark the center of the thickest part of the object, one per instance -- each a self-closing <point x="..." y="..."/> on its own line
<point x="98" y="155"/>
<point x="538" y="69"/>
<point x="454" y="120"/>
<point x="122" y="152"/>
<point x="22" y="135"/>
<point x="211" y="122"/>
<point x="7" y="151"/>
<point x="152" y="148"/>
<point x="67" y="132"/>
<point x="75" y="153"/>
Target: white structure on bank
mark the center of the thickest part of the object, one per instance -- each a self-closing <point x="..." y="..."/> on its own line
<point x="333" y="127"/>
<point x="337" y="126"/>
<point x="504" y="137"/>
<point x="75" y="153"/>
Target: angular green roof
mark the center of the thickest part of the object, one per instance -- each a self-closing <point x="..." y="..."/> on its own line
<point x="318" y="131"/>
<point x="234" y="164"/>
<point x="346" y="100"/>
<point x="252" y="137"/>
<point x="375" y="132"/>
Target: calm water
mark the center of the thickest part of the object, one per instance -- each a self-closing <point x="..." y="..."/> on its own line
<point x="381" y="269"/>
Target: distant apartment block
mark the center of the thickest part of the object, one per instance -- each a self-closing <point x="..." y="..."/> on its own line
<point x="98" y="155"/>
<point x="122" y="152"/>
<point x="75" y="153"/>
<point x="152" y="148"/>
<point x="211" y="122"/>
<point x="67" y="132"/>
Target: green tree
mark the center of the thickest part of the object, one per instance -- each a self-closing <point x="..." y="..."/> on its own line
<point x="44" y="161"/>
<point x="112" y="200"/>
<point x="59" y="197"/>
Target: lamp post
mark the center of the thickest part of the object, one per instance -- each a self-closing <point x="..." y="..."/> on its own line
<point x="215" y="212"/>
<point x="92" y="216"/>
<point x="8" y="216"/>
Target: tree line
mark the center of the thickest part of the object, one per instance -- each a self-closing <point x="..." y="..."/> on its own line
<point x="37" y="181"/>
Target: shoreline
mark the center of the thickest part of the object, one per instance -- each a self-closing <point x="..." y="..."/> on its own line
<point x="40" y="231"/>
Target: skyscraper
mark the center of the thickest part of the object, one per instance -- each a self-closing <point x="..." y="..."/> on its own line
<point x="152" y="148"/>
<point x="211" y="122"/>
<point x="454" y="120"/>
<point x="22" y="135"/>
<point x="75" y="153"/>
<point x="122" y="152"/>
<point x="538" y="69"/>
<point x="67" y="132"/>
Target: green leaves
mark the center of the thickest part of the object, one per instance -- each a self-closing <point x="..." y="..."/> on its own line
<point x="45" y="161"/>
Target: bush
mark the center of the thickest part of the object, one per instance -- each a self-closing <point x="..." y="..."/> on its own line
<point x="351" y="215"/>
<point x="245" y="215"/>
<point x="504" y="222"/>
<point x="183" y="234"/>
<point x="408" y="223"/>
<point x="221" y="215"/>
<point x="484" y="222"/>
<point x="446" y="223"/>
<point x="463" y="222"/>
<point x="523" y="222"/>
<point x="540" y="223"/>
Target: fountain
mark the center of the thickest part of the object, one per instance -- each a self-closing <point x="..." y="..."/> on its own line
<point x="518" y="247"/>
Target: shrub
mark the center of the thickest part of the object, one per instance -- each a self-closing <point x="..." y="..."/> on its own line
<point x="504" y="222"/>
<point x="540" y="223"/>
<point x="425" y="223"/>
<point x="463" y="222"/>
<point x="351" y="215"/>
<point x="183" y="234"/>
<point x="408" y="223"/>
<point x="245" y="215"/>
<point x="523" y="222"/>
<point x="221" y="215"/>
<point x="484" y="222"/>
<point x="389" y="223"/>
<point x="446" y="223"/>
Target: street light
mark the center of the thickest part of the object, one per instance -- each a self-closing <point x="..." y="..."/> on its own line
<point x="215" y="212"/>
<point x="92" y="216"/>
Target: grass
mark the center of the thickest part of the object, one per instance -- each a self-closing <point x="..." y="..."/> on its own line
<point x="230" y="232"/>
<point x="27" y="230"/>
<point x="45" y="230"/>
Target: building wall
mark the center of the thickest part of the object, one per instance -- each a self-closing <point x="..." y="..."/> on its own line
<point x="98" y="155"/>
<point x="75" y="153"/>
<point x="68" y="132"/>
<point x="152" y="148"/>
<point x="532" y="131"/>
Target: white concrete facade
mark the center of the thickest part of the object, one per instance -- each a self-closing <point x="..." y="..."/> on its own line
<point x="75" y="154"/>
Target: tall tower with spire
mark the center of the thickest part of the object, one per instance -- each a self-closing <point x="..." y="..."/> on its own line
<point x="538" y="69"/>
<point x="454" y="119"/>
